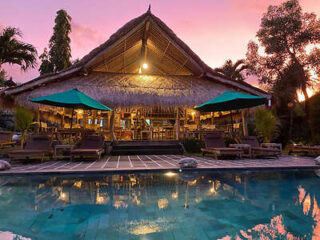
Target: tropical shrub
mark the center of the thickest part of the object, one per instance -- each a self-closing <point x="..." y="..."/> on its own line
<point x="23" y="121"/>
<point x="193" y="145"/>
<point x="265" y="123"/>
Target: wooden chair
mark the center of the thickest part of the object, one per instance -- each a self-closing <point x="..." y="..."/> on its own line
<point x="305" y="149"/>
<point x="90" y="146"/>
<point x="257" y="150"/>
<point x="6" y="139"/>
<point x="36" y="146"/>
<point x="214" y="143"/>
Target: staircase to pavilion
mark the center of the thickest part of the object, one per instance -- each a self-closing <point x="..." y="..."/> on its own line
<point x="145" y="147"/>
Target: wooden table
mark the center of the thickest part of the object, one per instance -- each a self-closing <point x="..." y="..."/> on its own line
<point x="272" y="145"/>
<point x="59" y="147"/>
<point x="245" y="147"/>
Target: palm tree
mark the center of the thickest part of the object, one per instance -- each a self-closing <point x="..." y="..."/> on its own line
<point x="233" y="70"/>
<point x="14" y="51"/>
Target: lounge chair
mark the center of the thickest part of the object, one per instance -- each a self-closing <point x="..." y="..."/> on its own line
<point x="307" y="150"/>
<point x="214" y="143"/>
<point x="257" y="151"/>
<point x="36" y="146"/>
<point x="6" y="139"/>
<point x="90" y="146"/>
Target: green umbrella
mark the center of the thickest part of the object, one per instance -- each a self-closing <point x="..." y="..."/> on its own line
<point x="231" y="101"/>
<point x="71" y="99"/>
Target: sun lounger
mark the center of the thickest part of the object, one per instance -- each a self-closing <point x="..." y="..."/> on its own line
<point x="307" y="150"/>
<point x="36" y="146"/>
<point x="214" y="143"/>
<point x="90" y="146"/>
<point x="258" y="151"/>
<point x="6" y="139"/>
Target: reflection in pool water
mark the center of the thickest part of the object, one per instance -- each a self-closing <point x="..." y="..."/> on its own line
<point x="216" y="205"/>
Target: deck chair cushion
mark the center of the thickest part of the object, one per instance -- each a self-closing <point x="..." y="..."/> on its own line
<point x="38" y="143"/>
<point x="250" y="140"/>
<point x="92" y="142"/>
<point x="214" y="140"/>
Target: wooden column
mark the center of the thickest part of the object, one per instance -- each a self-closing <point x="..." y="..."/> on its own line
<point x="197" y="120"/>
<point x="212" y="118"/>
<point x="62" y="120"/>
<point x="85" y="118"/>
<point x="244" y="123"/>
<point x="177" y="123"/>
<point x="112" y="136"/>
<point x="38" y="121"/>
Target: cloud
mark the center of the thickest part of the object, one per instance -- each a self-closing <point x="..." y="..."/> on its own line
<point x="84" y="38"/>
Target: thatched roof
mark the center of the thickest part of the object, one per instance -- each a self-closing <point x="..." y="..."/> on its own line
<point x="114" y="89"/>
<point x="171" y="61"/>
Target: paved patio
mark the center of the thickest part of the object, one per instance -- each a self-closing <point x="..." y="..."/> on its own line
<point x="157" y="162"/>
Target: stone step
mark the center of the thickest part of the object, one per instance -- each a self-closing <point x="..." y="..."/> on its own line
<point x="140" y="147"/>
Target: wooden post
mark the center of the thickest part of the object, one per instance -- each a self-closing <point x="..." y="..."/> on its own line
<point x="112" y="136"/>
<point x="38" y="121"/>
<point x="72" y="113"/>
<point x="62" y="119"/>
<point x="85" y="119"/>
<point x="244" y="123"/>
<point x="197" y="120"/>
<point x="177" y="123"/>
<point x="212" y="118"/>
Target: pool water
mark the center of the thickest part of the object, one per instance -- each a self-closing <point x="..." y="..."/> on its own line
<point x="164" y="206"/>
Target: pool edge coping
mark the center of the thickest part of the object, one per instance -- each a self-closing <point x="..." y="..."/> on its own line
<point x="126" y="171"/>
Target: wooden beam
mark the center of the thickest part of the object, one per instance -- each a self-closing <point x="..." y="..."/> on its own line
<point x="124" y="51"/>
<point x="200" y="67"/>
<point x="106" y="61"/>
<point x="181" y="66"/>
<point x="105" y="65"/>
<point x="115" y="43"/>
<point x="170" y="58"/>
<point x="165" y="51"/>
<point x="127" y="65"/>
<point x="145" y="42"/>
<point x="163" y="72"/>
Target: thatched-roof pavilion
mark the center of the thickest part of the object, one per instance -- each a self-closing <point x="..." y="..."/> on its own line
<point x="143" y="64"/>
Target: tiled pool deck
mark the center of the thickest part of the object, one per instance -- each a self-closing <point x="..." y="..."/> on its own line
<point x="156" y="163"/>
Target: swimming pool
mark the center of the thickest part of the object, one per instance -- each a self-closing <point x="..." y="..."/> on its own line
<point x="204" y="205"/>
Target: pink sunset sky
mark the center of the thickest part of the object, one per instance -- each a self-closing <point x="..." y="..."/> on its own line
<point x="214" y="29"/>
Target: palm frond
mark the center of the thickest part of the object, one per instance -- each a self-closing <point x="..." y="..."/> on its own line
<point x="14" y="51"/>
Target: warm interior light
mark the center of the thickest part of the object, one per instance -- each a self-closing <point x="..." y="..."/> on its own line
<point x="78" y="184"/>
<point x="80" y="111"/>
<point x="145" y="66"/>
<point x="140" y="70"/>
<point x="193" y="113"/>
<point x="170" y="174"/>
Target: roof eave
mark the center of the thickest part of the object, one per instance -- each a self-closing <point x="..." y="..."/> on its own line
<point x="41" y="80"/>
<point x="249" y="88"/>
